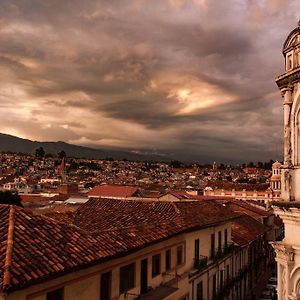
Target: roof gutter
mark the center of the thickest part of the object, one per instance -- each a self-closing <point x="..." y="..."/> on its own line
<point x="9" y="249"/>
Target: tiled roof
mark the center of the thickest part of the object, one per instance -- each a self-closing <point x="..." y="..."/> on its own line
<point x="44" y="248"/>
<point x="65" y="216"/>
<point x="241" y="206"/>
<point x="110" y="215"/>
<point x="246" y="229"/>
<point x="112" y="191"/>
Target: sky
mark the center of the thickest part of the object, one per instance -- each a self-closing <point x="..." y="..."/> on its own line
<point x="193" y="79"/>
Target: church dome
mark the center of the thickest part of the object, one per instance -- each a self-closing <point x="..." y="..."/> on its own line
<point x="293" y="40"/>
<point x="276" y="165"/>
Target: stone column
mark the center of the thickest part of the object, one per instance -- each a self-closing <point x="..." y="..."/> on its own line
<point x="279" y="280"/>
<point x="287" y="103"/>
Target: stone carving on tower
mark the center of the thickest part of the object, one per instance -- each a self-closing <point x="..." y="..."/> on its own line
<point x="288" y="209"/>
<point x="288" y="84"/>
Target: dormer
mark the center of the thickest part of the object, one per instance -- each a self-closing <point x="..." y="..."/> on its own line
<point x="291" y="50"/>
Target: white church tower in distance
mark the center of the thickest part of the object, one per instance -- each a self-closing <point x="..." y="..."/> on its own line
<point x="276" y="179"/>
<point x="288" y="250"/>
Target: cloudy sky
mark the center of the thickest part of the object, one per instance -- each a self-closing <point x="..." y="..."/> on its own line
<point x="191" y="78"/>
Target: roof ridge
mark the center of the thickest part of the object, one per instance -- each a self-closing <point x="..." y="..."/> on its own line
<point x="9" y="249"/>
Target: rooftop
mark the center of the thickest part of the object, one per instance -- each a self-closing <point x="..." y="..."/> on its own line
<point x="246" y="229"/>
<point x="113" y="191"/>
<point x="35" y="248"/>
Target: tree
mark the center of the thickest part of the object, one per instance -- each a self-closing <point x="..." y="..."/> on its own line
<point x="260" y="164"/>
<point x="175" y="164"/>
<point x="62" y="154"/>
<point x="251" y="164"/>
<point x="39" y="152"/>
<point x="8" y="197"/>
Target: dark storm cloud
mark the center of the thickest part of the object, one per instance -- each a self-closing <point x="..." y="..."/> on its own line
<point x="196" y="76"/>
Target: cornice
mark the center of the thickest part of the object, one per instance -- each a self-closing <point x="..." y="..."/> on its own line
<point x="284" y="80"/>
<point x="284" y="253"/>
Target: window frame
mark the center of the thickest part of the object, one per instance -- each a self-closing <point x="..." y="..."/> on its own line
<point x="168" y="260"/>
<point x="212" y="245"/>
<point x="199" y="290"/>
<point x="181" y="261"/>
<point x="220" y="240"/>
<point x="109" y="274"/>
<point x="50" y="294"/>
<point x="156" y="265"/>
<point x="129" y="285"/>
<point x="197" y="249"/>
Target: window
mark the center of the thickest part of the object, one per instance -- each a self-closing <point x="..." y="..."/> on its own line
<point x="221" y="278"/>
<point x="55" y="295"/>
<point x="226" y="237"/>
<point x="155" y="265"/>
<point x="219" y="240"/>
<point x="105" y="287"/>
<point x="227" y="271"/>
<point x="289" y="62"/>
<point x="127" y="278"/>
<point x="179" y="255"/>
<point x="200" y="291"/>
<point x="212" y="245"/>
<point x="197" y="249"/>
<point x="168" y="259"/>
<point x="214" y="287"/>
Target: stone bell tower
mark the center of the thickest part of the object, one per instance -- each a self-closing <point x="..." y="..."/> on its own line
<point x="289" y="85"/>
<point x="288" y="250"/>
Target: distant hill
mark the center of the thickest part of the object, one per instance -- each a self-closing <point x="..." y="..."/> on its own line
<point x="15" y="144"/>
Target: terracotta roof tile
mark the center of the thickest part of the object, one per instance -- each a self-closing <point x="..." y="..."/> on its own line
<point x="41" y="248"/>
<point x="138" y="223"/>
<point x="246" y="229"/>
<point x="44" y="248"/>
<point x="113" y="191"/>
<point x="241" y="206"/>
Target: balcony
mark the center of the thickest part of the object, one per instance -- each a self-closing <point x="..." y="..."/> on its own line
<point x="201" y="262"/>
<point x="161" y="292"/>
<point x="199" y="265"/>
<point x="222" y="252"/>
<point x="164" y="290"/>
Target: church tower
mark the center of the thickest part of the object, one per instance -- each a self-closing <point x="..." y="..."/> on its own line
<point x="288" y="250"/>
<point x="276" y="179"/>
<point x="289" y="85"/>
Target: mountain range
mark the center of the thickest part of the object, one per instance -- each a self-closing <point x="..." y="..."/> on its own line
<point x="10" y="143"/>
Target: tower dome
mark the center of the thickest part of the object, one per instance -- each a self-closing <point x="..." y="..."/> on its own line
<point x="291" y="49"/>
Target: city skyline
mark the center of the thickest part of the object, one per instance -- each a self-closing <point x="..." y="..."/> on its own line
<point x="190" y="78"/>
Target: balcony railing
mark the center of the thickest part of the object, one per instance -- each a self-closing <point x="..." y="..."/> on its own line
<point x="200" y="262"/>
<point x="219" y="253"/>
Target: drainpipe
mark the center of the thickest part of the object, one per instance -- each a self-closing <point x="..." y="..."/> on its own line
<point x="193" y="289"/>
<point x="207" y="284"/>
